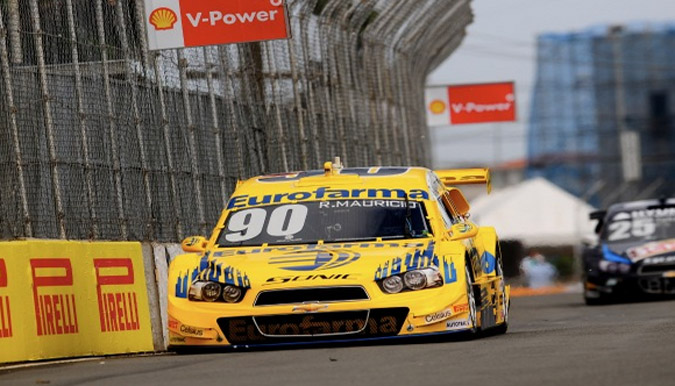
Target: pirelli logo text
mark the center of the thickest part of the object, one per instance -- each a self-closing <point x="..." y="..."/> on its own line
<point x="5" y="311"/>
<point x="53" y="297"/>
<point x="117" y="307"/>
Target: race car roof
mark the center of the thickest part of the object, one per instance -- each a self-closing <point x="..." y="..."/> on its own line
<point x="390" y="177"/>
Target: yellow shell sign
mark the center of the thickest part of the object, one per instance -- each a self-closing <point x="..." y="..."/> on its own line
<point x="163" y="18"/>
<point x="437" y="106"/>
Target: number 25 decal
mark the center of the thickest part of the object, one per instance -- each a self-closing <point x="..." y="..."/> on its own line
<point x="621" y="230"/>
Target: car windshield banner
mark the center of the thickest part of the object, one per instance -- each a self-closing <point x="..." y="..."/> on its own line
<point x="470" y="103"/>
<point x="192" y="23"/>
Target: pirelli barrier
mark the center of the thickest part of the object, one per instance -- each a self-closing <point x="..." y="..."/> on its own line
<point x="69" y="299"/>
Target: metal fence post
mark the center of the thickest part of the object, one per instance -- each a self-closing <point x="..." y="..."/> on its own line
<point x="18" y="159"/>
<point x="48" y="119"/>
<point x="112" y="127"/>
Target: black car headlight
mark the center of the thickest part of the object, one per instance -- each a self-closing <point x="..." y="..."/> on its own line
<point x="210" y="291"/>
<point x="414" y="280"/>
<point x="613" y="267"/>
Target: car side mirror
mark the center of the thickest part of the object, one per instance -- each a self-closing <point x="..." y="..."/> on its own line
<point x="463" y="231"/>
<point x="194" y="244"/>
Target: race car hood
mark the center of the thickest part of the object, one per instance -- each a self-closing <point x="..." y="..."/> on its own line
<point x="329" y="262"/>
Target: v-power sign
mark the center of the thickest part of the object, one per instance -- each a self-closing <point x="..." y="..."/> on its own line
<point x="192" y="23"/>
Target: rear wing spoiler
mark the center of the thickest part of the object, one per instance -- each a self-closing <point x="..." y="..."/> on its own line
<point x="454" y="177"/>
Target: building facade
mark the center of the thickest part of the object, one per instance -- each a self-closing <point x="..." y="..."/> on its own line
<point x="592" y="87"/>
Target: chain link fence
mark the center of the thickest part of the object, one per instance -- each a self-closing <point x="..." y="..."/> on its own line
<point x="102" y="139"/>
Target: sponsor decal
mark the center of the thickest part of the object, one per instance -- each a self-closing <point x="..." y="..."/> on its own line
<point x="460" y="308"/>
<point x="173" y="324"/>
<point x="53" y="297"/>
<point x="118" y="309"/>
<point x="324" y="193"/>
<point x="177" y="339"/>
<point x="288" y="279"/>
<point x="191" y="331"/>
<point x="645" y="213"/>
<point x="314" y="260"/>
<point x="163" y="18"/>
<point x="651" y="249"/>
<point x="314" y="247"/>
<point x="311" y="324"/>
<point x="5" y="310"/>
<point x="660" y="260"/>
<point x="460" y="324"/>
<point x="190" y="23"/>
<point x="475" y="103"/>
<point x="438" y="316"/>
<point x="437" y="106"/>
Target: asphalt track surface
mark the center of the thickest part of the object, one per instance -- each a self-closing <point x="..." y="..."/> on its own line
<point x="552" y="340"/>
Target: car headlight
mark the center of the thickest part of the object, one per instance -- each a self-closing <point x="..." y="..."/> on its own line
<point x="415" y="280"/>
<point x="232" y="294"/>
<point x="209" y="291"/>
<point x="392" y="284"/>
<point x="612" y="267"/>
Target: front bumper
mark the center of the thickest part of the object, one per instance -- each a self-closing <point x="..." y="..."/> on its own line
<point x="218" y="324"/>
<point x="631" y="284"/>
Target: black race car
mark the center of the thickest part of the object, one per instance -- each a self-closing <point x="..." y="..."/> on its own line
<point x="634" y="254"/>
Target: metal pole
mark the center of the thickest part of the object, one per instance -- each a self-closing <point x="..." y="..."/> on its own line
<point x="277" y="96"/>
<point x="166" y="131"/>
<point x="49" y="122"/>
<point x="228" y="97"/>
<point x="7" y="75"/>
<point x="82" y="121"/>
<point x="14" y="26"/>
<point x="192" y="143"/>
<point x="112" y="127"/>
<point x="216" y="126"/>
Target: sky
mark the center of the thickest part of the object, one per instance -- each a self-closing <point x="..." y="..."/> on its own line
<point x="501" y="46"/>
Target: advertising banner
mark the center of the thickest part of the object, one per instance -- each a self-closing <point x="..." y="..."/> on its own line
<point x="192" y="23"/>
<point x="470" y="103"/>
<point x="66" y="299"/>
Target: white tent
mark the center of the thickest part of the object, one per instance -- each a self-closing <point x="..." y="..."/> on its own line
<point x="536" y="212"/>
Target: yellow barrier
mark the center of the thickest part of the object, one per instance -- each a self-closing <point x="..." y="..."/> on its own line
<point x="69" y="298"/>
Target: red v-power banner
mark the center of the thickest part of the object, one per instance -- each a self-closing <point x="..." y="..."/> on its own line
<point x="470" y="103"/>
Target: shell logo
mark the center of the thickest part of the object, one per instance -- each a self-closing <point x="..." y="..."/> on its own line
<point x="437" y="106"/>
<point x="163" y="18"/>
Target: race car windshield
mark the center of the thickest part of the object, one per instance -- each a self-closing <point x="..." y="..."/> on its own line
<point x="330" y="221"/>
<point x="629" y="228"/>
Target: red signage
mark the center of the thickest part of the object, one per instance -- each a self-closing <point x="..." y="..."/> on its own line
<point x="118" y="310"/>
<point x="191" y="23"/>
<point x="55" y="313"/>
<point x="476" y="103"/>
<point x="5" y="313"/>
<point x="470" y="103"/>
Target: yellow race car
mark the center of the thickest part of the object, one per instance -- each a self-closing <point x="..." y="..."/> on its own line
<point x="340" y="254"/>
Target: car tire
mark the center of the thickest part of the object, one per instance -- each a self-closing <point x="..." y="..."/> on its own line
<point x="502" y="328"/>
<point x="471" y="300"/>
<point x="595" y="301"/>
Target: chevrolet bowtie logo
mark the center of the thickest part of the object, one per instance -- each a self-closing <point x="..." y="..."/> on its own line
<point x="311" y="307"/>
